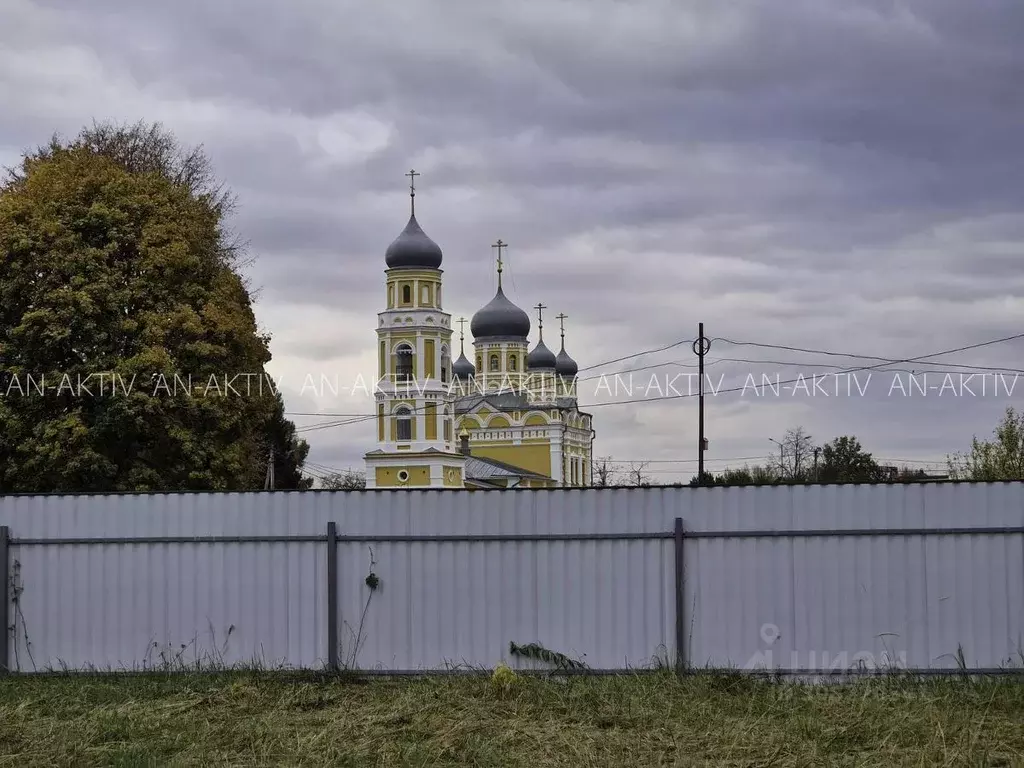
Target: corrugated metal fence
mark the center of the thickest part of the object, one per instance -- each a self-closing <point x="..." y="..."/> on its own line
<point x="792" y="579"/>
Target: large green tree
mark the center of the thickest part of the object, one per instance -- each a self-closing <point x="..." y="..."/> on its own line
<point x="131" y="353"/>
<point x="843" y="460"/>
<point x="999" y="459"/>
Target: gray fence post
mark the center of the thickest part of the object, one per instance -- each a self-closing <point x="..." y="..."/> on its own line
<point x="332" y="597"/>
<point x="680" y="600"/>
<point x="5" y="599"/>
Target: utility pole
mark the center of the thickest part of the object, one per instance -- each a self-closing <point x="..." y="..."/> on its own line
<point x="700" y="348"/>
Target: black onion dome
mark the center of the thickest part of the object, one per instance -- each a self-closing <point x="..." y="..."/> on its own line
<point x="413" y="249"/>
<point x="500" y="318"/>
<point x="565" y="365"/>
<point x="540" y="358"/>
<point x="462" y="368"/>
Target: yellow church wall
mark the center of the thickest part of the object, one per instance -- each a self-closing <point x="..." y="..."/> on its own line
<point x="497" y="422"/>
<point x="380" y="423"/>
<point x="428" y="358"/>
<point x="453" y="482"/>
<point x="536" y="420"/>
<point x="387" y="477"/>
<point x="430" y="416"/>
<point x="536" y="457"/>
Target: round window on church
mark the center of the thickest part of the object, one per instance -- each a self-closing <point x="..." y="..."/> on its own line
<point x="403" y="476"/>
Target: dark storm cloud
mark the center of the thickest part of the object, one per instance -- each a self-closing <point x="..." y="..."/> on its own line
<point x="822" y="174"/>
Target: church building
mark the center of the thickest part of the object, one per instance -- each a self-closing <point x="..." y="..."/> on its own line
<point x="509" y="418"/>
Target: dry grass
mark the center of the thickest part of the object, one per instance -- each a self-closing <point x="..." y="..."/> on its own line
<point x="256" y="719"/>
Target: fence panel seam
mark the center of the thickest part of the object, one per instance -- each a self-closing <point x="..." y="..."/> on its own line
<point x="680" y="597"/>
<point x="5" y="599"/>
<point x="332" y="596"/>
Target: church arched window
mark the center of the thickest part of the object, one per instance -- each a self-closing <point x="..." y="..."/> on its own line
<point x="447" y="424"/>
<point x="494" y="364"/>
<point x="446" y="364"/>
<point x="403" y="363"/>
<point x="403" y="423"/>
<point x="513" y="363"/>
<point x="407" y="294"/>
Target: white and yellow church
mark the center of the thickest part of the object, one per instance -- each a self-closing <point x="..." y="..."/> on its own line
<point x="508" y="420"/>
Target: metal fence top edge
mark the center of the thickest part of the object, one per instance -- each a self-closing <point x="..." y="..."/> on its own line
<point x="520" y="537"/>
<point x="711" y="672"/>
<point x="592" y="489"/>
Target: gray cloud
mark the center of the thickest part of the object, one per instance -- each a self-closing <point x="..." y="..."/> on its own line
<point x="830" y="175"/>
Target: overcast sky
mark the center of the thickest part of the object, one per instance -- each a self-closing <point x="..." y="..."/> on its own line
<point x="840" y="176"/>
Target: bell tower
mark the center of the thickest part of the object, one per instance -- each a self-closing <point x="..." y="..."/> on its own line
<point x="416" y="442"/>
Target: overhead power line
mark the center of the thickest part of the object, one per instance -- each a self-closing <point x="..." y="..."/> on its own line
<point x="884" y="359"/>
<point x="334" y="423"/>
<point x="329" y="469"/>
<point x="681" y="395"/>
<point x="637" y="354"/>
<point x="841" y="369"/>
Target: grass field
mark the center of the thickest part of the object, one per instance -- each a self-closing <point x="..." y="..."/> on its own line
<point x="256" y="719"/>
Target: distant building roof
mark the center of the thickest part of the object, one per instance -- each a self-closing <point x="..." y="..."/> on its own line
<point x="480" y="468"/>
<point x="506" y="401"/>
